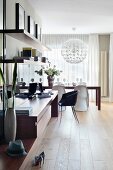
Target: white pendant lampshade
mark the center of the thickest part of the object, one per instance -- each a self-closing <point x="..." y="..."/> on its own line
<point x="74" y="51"/>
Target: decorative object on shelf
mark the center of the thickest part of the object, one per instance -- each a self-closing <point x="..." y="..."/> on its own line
<point x="22" y="79"/>
<point x="31" y="26"/>
<point x="27" y="52"/>
<point x="40" y="72"/>
<point x="74" y="51"/>
<point x="51" y="72"/>
<point x="43" y="59"/>
<point x="10" y="115"/>
<point x="36" y="30"/>
<point x="32" y="79"/>
<point x="21" y="84"/>
<point x="34" y="52"/>
<point x="36" y="58"/>
<point x="20" y="17"/>
<point x="40" y="80"/>
<point x="50" y="81"/>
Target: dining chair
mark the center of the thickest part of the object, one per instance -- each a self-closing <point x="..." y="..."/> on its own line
<point x="69" y="99"/>
<point x="61" y="91"/>
<point x="82" y="103"/>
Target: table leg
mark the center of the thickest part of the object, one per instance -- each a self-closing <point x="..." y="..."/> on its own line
<point x="99" y="98"/>
<point x="54" y="107"/>
<point x="96" y="97"/>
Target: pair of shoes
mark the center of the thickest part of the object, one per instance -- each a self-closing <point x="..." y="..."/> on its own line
<point x="38" y="159"/>
<point x="42" y="155"/>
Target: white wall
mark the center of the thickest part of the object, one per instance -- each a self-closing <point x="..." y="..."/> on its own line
<point x="14" y="46"/>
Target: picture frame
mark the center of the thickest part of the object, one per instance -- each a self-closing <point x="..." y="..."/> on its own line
<point x="31" y="26"/>
<point x="36" y="31"/>
<point x="39" y="33"/>
<point x="26" y="21"/>
<point x="20" y="17"/>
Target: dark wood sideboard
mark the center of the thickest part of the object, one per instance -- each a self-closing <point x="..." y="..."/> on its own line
<point x="28" y="126"/>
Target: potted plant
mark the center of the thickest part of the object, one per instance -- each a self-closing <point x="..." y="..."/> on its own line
<point x="40" y="72"/>
<point x="51" y="72"/>
<point x="10" y="116"/>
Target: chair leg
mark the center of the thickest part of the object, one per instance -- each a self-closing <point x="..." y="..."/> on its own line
<point x="61" y="114"/>
<point x="62" y="109"/>
<point x="74" y="113"/>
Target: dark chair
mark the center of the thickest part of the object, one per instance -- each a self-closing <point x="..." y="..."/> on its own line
<point x="69" y="99"/>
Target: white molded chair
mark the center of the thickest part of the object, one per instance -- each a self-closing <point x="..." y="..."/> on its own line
<point x="61" y="90"/>
<point x="82" y="103"/>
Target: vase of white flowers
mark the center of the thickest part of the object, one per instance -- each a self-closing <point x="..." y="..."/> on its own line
<point x="50" y="81"/>
<point x="51" y="72"/>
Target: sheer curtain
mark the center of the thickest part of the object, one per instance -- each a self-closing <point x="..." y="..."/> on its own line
<point x="104" y="73"/>
<point x="71" y="72"/>
<point x="111" y="69"/>
<point x="93" y="62"/>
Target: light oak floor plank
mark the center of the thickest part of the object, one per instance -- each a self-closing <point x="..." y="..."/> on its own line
<point x="84" y="146"/>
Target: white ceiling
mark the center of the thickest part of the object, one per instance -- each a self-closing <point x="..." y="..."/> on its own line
<point x="88" y="16"/>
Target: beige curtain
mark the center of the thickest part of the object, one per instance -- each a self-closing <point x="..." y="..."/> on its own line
<point x="104" y="73"/>
<point x="93" y="63"/>
<point x="111" y="69"/>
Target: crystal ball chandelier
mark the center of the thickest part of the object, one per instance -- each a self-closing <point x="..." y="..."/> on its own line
<point x="74" y="51"/>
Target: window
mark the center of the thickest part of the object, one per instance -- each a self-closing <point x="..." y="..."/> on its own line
<point x="71" y="73"/>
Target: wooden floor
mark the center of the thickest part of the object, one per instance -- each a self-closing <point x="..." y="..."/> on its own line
<point x="84" y="146"/>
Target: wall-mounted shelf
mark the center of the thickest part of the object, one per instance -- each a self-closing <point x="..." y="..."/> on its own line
<point x="22" y="60"/>
<point x="35" y="62"/>
<point x="25" y="37"/>
<point x="11" y="61"/>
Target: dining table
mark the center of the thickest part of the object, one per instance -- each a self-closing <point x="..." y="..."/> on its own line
<point x="97" y="93"/>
